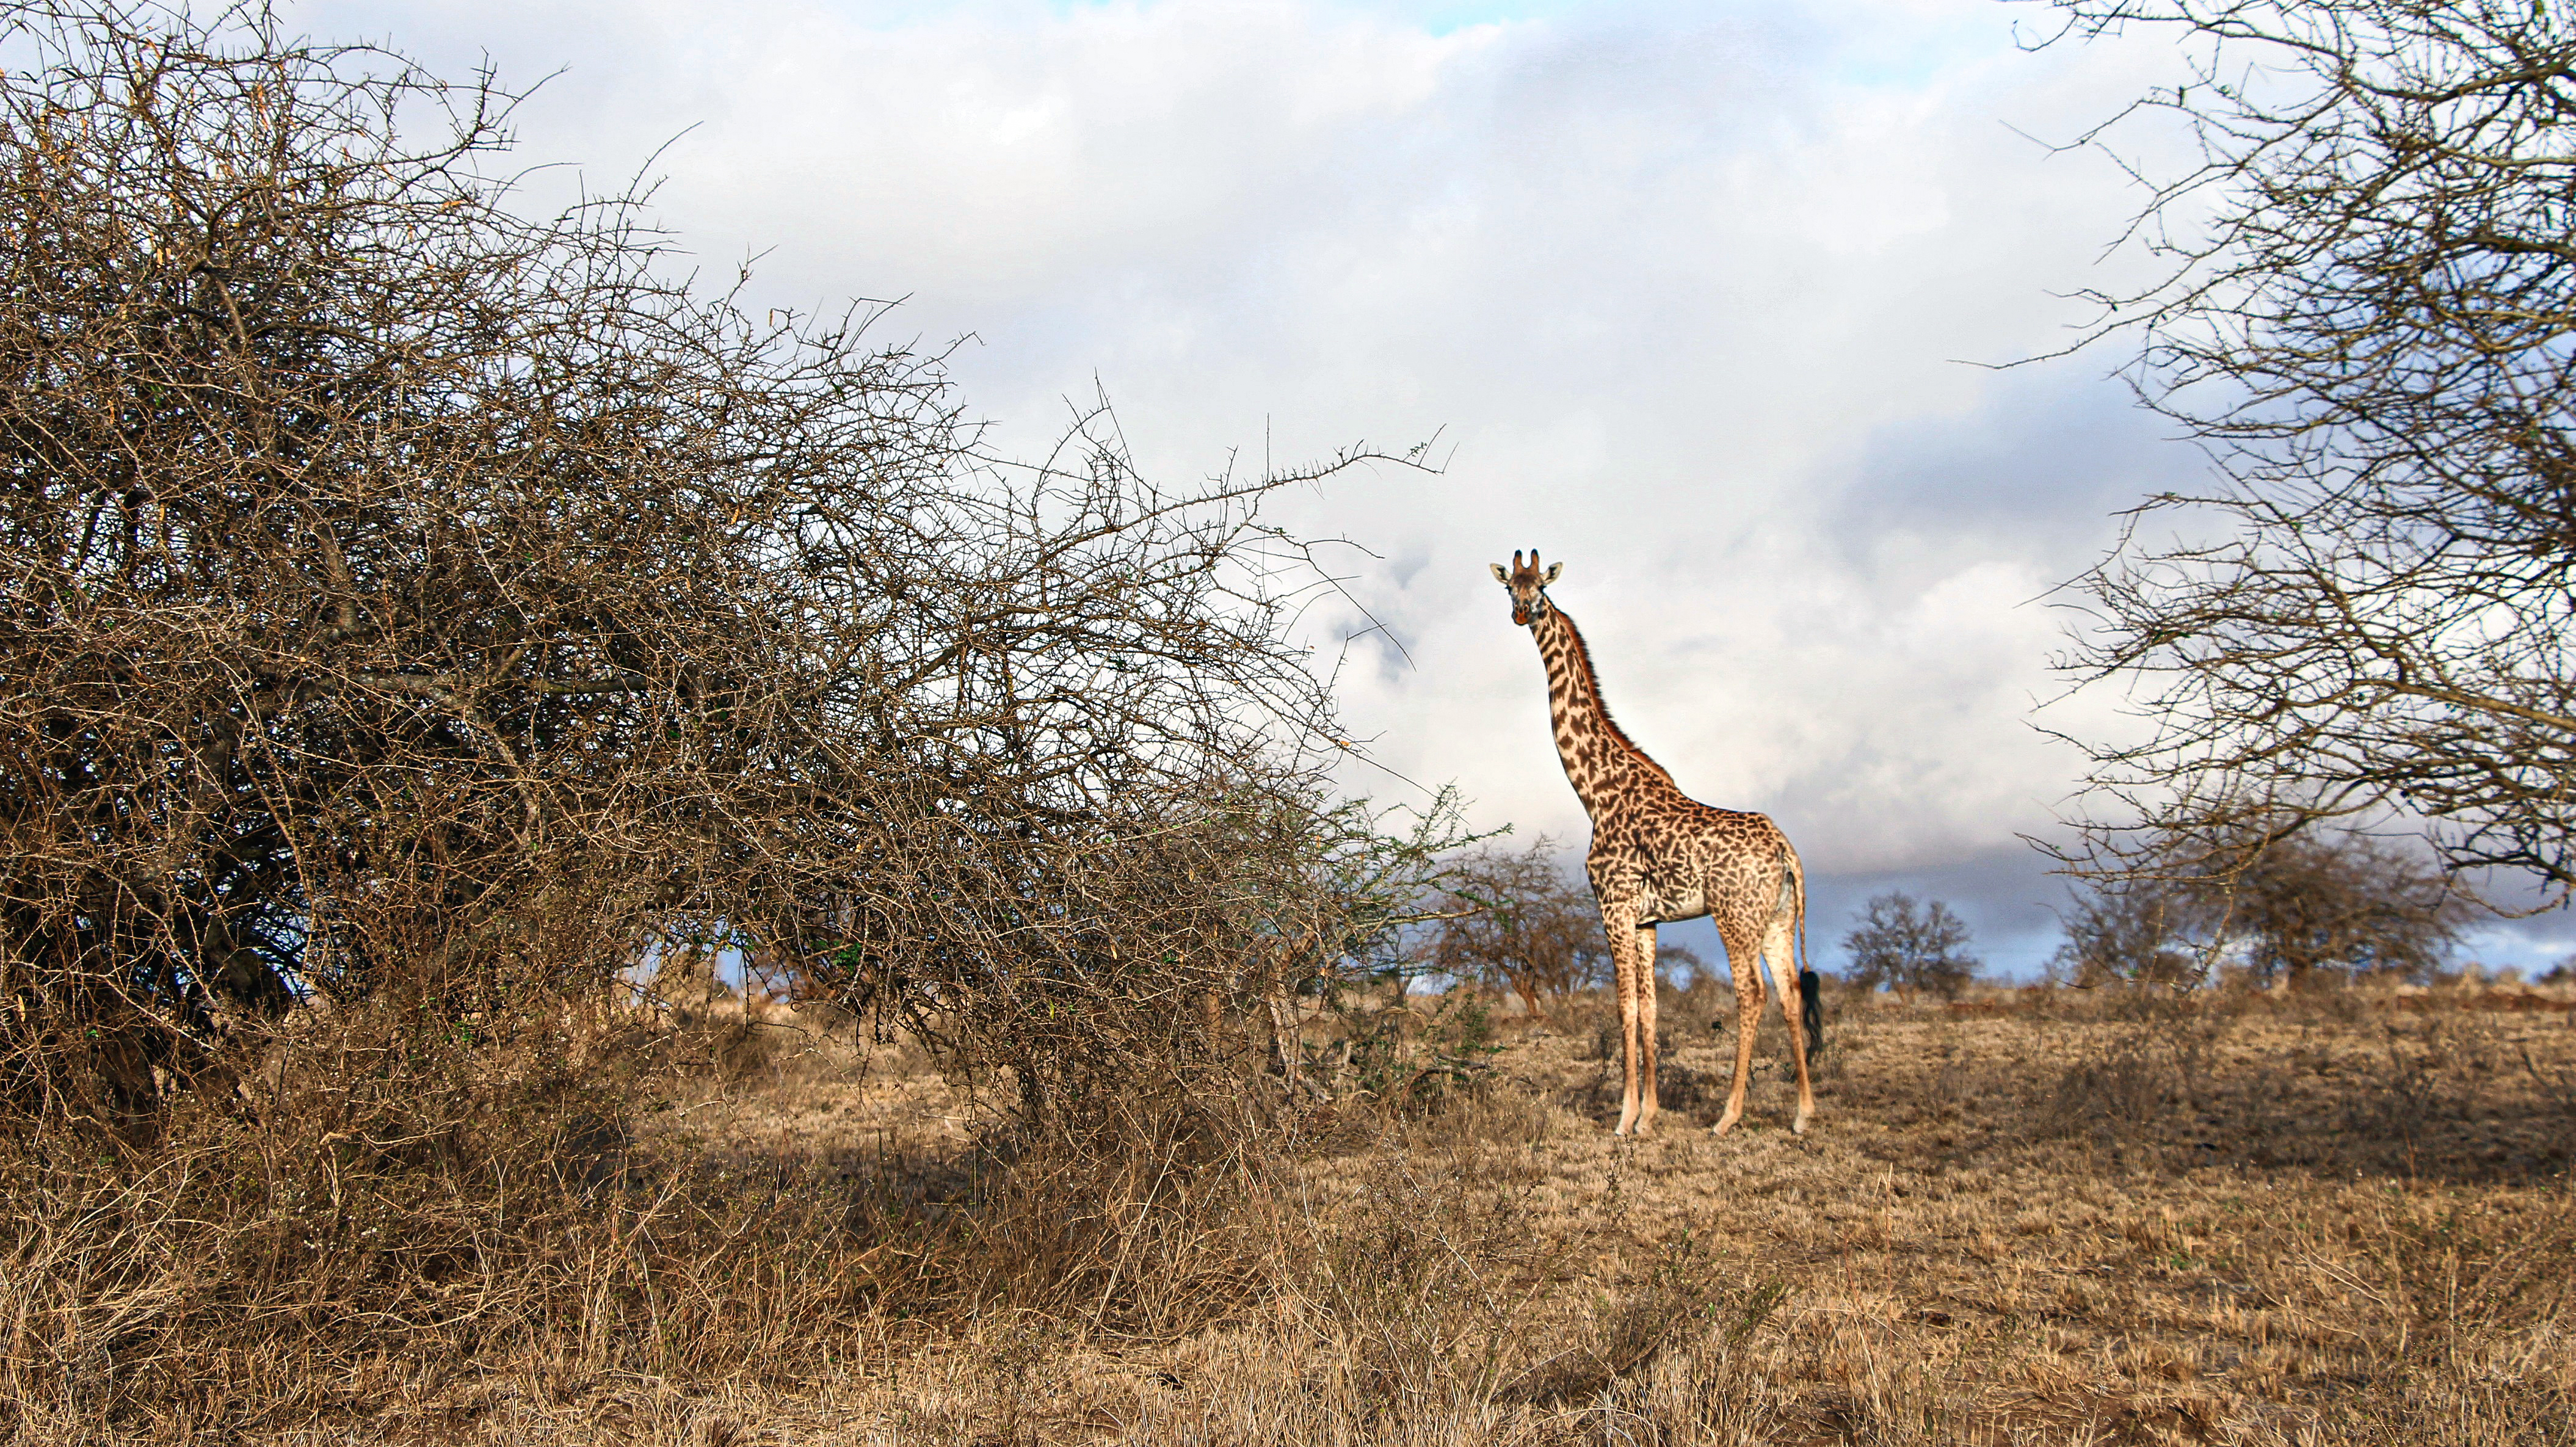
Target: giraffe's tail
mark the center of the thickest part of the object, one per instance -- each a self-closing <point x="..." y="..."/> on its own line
<point x="1811" y="986"/>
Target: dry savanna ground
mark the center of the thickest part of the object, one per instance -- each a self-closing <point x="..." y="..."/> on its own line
<point x="2032" y="1217"/>
<point x="2042" y="1217"/>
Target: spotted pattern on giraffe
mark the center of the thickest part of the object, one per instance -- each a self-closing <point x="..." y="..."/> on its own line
<point x="1659" y="856"/>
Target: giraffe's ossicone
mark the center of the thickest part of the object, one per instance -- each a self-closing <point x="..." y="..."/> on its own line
<point x="1659" y="856"/>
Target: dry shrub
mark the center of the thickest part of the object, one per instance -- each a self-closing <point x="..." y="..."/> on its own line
<point x="1414" y="1259"/>
<point x="2556" y="1085"/>
<point x="422" y="619"/>
<point x="2153" y="1067"/>
<point x="1679" y="1087"/>
<point x="407" y="595"/>
<point x="1414" y="1057"/>
<point x="402" y="1210"/>
<point x="1419" y="1280"/>
<point x="2116" y="1091"/>
<point x="390" y="1205"/>
<point x="2461" y="1286"/>
<point x="1136" y="1227"/>
<point x="1687" y="1302"/>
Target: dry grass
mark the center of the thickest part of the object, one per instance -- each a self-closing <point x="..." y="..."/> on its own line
<point x="2031" y="1218"/>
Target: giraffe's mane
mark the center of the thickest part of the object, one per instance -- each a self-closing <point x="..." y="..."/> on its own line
<point x="1601" y="704"/>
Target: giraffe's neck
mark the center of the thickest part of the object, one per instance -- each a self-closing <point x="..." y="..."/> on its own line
<point x="1596" y="753"/>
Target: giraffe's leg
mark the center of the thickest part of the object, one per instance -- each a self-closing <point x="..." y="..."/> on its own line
<point x="1747" y="970"/>
<point x="1645" y="984"/>
<point x="1784" y="983"/>
<point x="1620" y="924"/>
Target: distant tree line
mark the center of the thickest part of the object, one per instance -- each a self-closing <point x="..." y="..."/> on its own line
<point x="2337" y="907"/>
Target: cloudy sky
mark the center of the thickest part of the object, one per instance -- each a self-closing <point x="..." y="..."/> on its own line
<point x="1697" y="298"/>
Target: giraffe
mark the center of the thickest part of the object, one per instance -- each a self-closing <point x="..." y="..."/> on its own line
<point x="1659" y="856"/>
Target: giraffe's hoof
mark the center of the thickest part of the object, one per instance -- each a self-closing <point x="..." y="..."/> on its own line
<point x="1722" y="1127"/>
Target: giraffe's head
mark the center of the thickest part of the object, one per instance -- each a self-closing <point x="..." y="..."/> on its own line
<point x="1528" y="586"/>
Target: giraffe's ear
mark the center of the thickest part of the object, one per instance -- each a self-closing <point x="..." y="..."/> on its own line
<point x="1552" y="570"/>
<point x="1499" y="575"/>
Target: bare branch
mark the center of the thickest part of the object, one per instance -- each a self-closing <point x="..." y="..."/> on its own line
<point x="2368" y="316"/>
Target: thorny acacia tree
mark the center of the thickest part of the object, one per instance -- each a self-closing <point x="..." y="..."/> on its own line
<point x="2352" y="905"/>
<point x="1514" y="919"/>
<point x="406" y="601"/>
<point x="1908" y="945"/>
<point x="2368" y="315"/>
<point x="2310" y="905"/>
<point x="2137" y="931"/>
